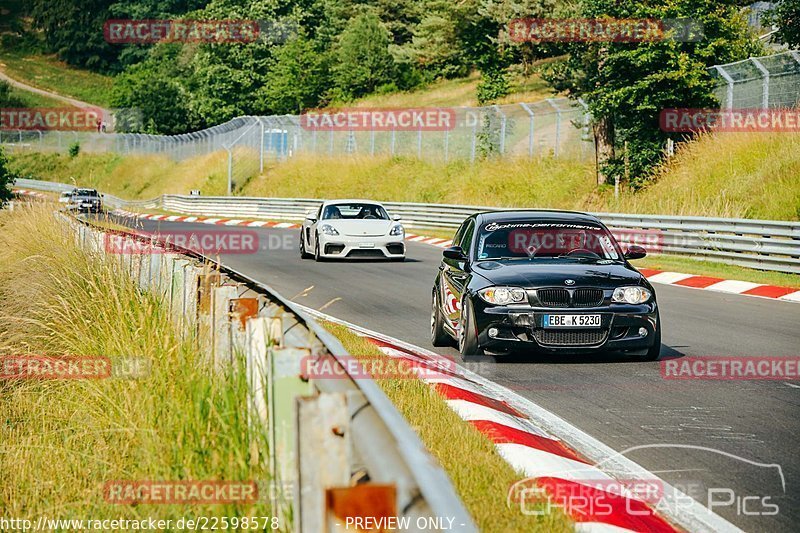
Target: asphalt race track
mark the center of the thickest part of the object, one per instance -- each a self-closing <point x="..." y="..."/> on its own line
<point x="616" y="400"/>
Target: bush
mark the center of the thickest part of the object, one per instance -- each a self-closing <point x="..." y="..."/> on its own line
<point x="74" y="149"/>
<point x="7" y="178"/>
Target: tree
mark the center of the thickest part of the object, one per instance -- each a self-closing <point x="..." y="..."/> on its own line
<point x="786" y="15"/>
<point x="364" y="62"/>
<point x="7" y="178"/>
<point x="298" y="78"/>
<point x="73" y="29"/>
<point x="152" y="98"/>
<point x="626" y="85"/>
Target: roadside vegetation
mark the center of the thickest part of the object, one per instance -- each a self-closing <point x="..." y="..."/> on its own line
<point x="480" y="475"/>
<point x="49" y="73"/>
<point x="173" y="418"/>
<point x="727" y="175"/>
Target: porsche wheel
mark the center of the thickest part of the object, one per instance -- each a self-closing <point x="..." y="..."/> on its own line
<point x="303" y="253"/>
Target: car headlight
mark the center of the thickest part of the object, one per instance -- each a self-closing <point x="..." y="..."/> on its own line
<point x="327" y="229"/>
<point x="396" y="231"/>
<point x="631" y="295"/>
<point x="502" y="295"/>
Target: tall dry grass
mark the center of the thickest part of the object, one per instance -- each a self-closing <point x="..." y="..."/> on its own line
<point x="754" y="175"/>
<point x="60" y="441"/>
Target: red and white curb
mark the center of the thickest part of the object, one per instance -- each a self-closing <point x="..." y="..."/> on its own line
<point x="34" y="194"/>
<point x="539" y="445"/>
<point x="729" y="286"/>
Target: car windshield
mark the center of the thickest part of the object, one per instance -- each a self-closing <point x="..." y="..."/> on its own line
<point x="530" y="239"/>
<point x="85" y="192"/>
<point x="354" y="211"/>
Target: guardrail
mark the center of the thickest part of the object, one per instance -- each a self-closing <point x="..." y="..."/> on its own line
<point x="336" y="438"/>
<point x="761" y="244"/>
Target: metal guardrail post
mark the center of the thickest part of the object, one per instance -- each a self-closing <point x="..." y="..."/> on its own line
<point x="764" y="82"/>
<point x="502" y="128"/>
<point x="531" y="119"/>
<point x="729" y="80"/>
<point x="558" y="126"/>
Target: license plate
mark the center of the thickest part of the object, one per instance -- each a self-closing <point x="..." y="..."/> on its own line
<point x="571" y="321"/>
<point x="366" y="245"/>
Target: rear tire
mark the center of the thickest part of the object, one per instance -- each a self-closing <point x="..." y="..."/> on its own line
<point x="439" y="336"/>
<point x="654" y="351"/>
<point x="467" y="332"/>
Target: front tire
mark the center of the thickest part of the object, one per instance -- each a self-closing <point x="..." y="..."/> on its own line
<point x="317" y="257"/>
<point x="439" y="336"/>
<point x="467" y="332"/>
<point x="303" y="253"/>
<point x="654" y="351"/>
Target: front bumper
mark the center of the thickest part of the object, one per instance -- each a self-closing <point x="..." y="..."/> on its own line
<point x="333" y="246"/>
<point x="521" y="327"/>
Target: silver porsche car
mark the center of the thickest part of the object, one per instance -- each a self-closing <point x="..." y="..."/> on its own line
<point x="352" y="229"/>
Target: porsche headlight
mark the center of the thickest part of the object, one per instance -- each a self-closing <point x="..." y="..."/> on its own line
<point x="502" y="295"/>
<point x="327" y="229"/>
<point x="631" y="295"/>
<point x="396" y="231"/>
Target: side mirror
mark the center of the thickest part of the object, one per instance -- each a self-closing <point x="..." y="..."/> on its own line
<point x="312" y="216"/>
<point x="635" y="252"/>
<point x="396" y="217"/>
<point x="454" y="252"/>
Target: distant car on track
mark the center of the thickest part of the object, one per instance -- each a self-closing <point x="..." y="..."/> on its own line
<point x="64" y="197"/>
<point x="544" y="281"/>
<point x="350" y="229"/>
<point x="85" y="201"/>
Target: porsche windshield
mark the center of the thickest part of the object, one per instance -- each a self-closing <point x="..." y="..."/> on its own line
<point x="525" y="239"/>
<point x="354" y="212"/>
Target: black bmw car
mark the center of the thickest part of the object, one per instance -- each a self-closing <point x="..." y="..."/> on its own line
<point x="542" y="281"/>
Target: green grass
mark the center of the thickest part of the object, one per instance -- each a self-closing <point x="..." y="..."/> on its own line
<point x="458" y="92"/>
<point x="46" y="72"/>
<point x="481" y="477"/>
<point x="31" y="99"/>
<point x="61" y="440"/>
<point x="687" y="265"/>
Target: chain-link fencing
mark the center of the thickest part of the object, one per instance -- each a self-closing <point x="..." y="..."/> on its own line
<point x="759" y="82"/>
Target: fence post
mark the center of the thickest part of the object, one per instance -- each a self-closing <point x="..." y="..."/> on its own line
<point x="558" y="125"/>
<point x="528" y="110"/>
<point x="764" y="82"/>
<point x="502" y="128"/>
<point x="473" y="145"/>
<point x="230" y="169"/>
<point x="446" y="144"/>
<point x="727" y="78"/>
<point x="261" y="147"/>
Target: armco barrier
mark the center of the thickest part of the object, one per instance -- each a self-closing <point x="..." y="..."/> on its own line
<point x="762" y="244"/>
<point x="326" y="436"/>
